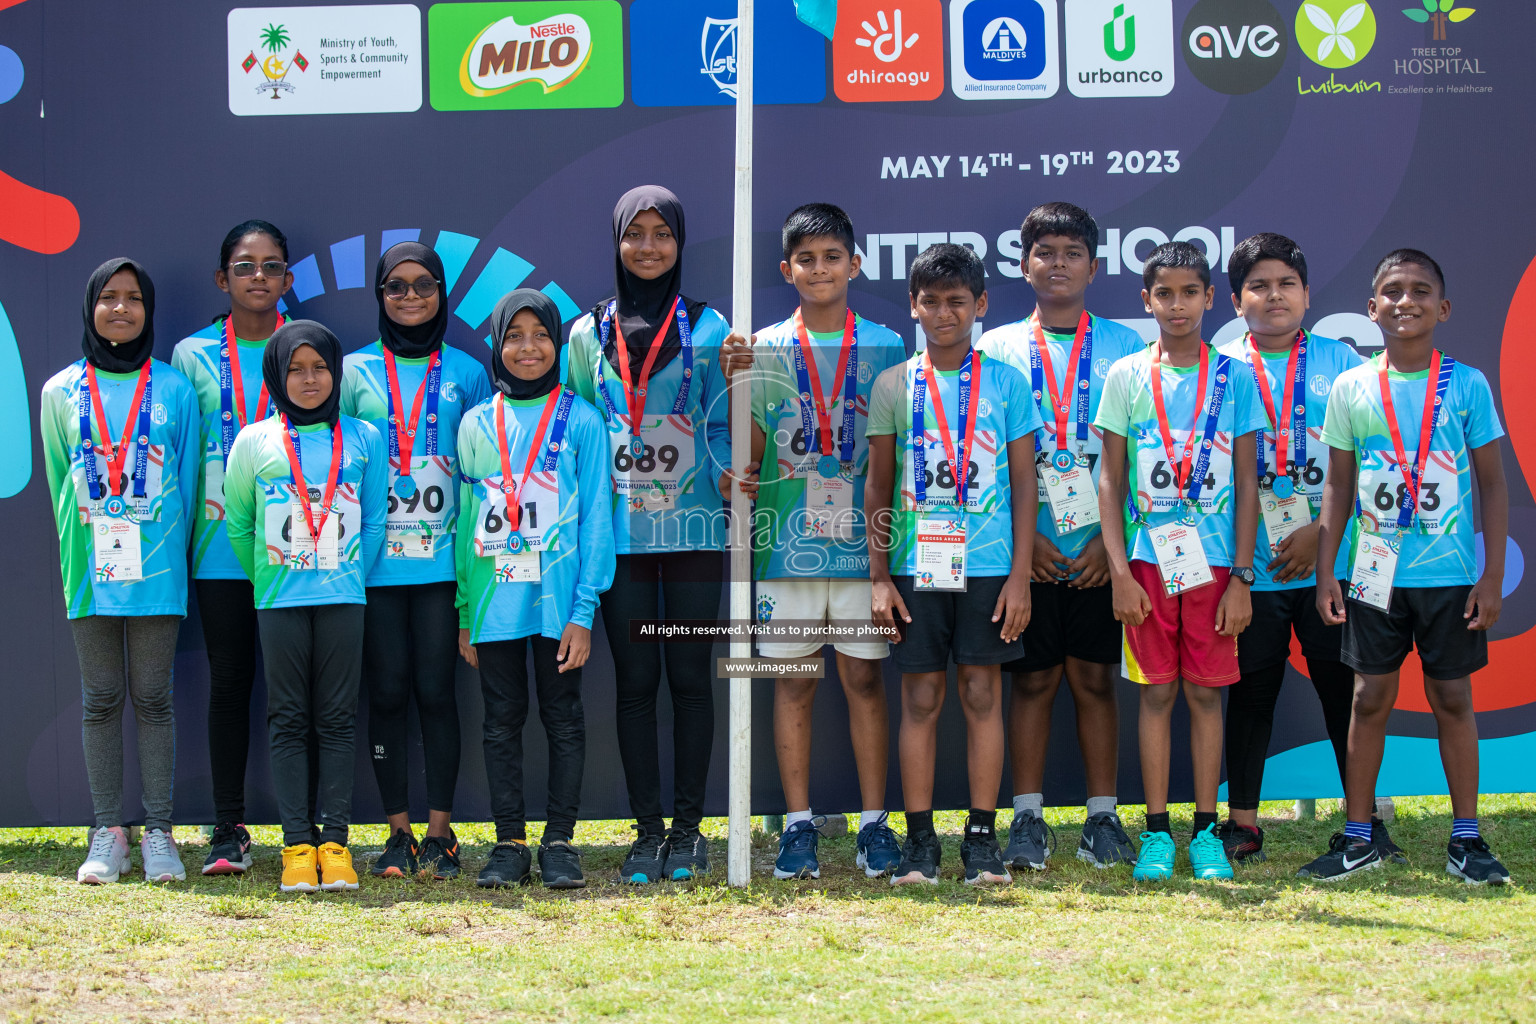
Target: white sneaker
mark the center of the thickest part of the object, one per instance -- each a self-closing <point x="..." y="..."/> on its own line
<point x="162" y="861"/>
<point x="108" y="859"/>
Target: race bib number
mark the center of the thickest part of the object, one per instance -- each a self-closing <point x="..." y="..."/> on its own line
<point x="1158" y="491"/>
<point x="116" y="540"/>
<point x="1282" y="516"/>
<point x="1308" y="477"/>
<point x="421" y="512"/>
<point x="795" y="455"/>
<point x="1382" y="492"/>
<point x="1180" y="557"/>
<point x="519" y="568"/>
<point x="939" y="475"/>
<point x="1070" y="494"/>
<point x="538" y="508"/>
<point x="1370" y="579"/>
<point x="829" y="513"/>
<point x="289" y="542"/>
<point x="940" y="555"/>
<point x="145" y="509"/>
<point x="661" y="471"/>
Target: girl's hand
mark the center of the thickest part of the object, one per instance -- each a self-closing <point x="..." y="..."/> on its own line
<point x="467" y="649"/>
<point x="575" y="646"/>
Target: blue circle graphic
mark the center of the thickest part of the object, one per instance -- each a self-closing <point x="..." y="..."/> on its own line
<point x="12" y="73"/>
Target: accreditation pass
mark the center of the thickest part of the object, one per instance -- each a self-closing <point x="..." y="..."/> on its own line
<point x="1180" y="557"/>
<point x="940" y="555"/>
<point x="1282" y="516"/>
<point x="1370" y="581"/>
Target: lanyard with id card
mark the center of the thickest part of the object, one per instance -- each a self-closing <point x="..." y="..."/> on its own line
<point x="231" y="411"/>
<point x="1376" y="555"/>
<point x="941" y="541"/>
<point x="648" y="476"/>
<point x="518" y="513"/>
<point x="829" y="485"/>
<point x="1066" y="480"/>
<point x="420" y="490"/>
<point x="1283" y="504"/>
<point x="116" y="540"/>
<point x="313" y="543"/>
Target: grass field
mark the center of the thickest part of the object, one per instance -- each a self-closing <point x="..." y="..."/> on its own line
<point x="1402" y="944"/>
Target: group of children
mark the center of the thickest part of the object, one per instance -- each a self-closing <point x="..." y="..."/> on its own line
<point x="372" y="529"/>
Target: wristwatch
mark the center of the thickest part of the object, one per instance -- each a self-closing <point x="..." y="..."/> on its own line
<point x="1243" y="574"/>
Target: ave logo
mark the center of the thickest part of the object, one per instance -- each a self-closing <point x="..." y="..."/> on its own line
<point x="1234" y="46"/>
<point x="518" y="56"/>
<point x="888" y="50"/>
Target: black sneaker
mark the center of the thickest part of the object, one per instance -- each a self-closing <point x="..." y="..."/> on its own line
<point x="1471" y="861"/>
<point x="687" y="854"/>
<point x="1030" y="841"/>
<point x="560" y="866"/>
<point x="1242" y="842"/>
<point x="983" y="858"/>
<point x="919" y="860"/>
<point x="229" y="850"/>
<point x="510" y="864"/>
<point x="1383" y="839"/>
<point x="439" y="856"/>
<point x="399" y="857"/>
<point x="1346" y="856"/>
<point x="647" y="854"/>
<point x="1104" y="843"/>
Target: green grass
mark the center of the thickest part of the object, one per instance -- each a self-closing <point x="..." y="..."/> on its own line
<point x="1402" y="944"/>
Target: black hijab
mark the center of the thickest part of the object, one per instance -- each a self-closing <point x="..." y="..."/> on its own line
<point x="130" y="355"/>
<point x="274" y="370"/>
<point x="422" y="340"/>
<point x="544" y="308"/>
<point x="642" y="304"/>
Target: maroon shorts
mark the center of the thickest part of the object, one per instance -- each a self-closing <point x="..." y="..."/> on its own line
<point x="1179" y="639"/>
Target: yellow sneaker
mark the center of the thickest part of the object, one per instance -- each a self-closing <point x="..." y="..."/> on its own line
<point x="336" y="867"/>
<point x="299" y="873"/>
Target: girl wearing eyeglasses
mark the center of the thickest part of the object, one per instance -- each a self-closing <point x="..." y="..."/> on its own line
<point x="120" y="448"/>
<point x="306" y="499"/>
<point x="414" y="389"/>
<point x="223" y="362"/>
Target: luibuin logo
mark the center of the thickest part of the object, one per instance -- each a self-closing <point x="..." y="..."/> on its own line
<point x="1440" y="13"/>
<point x="274" y="39"/>
<point x="1125" y="27"/>
<point x="551" y="52"/>
<point x="1335" y="33"/>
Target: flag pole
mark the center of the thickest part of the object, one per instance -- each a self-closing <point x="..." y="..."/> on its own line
<point x="739" y="854"/>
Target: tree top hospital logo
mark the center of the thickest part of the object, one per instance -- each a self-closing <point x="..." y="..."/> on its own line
<point x="1335" y="33"/>
<point x="1003" y="49"/>
<point x="1119" y="47"/>
<point x="1234" y="46"/>
<point x="683" y="54"/>
<point x="888" y="50"/>
<point x="522" y="56"/>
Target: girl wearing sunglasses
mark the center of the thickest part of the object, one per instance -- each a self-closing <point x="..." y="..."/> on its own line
<point x="414" y="389"/>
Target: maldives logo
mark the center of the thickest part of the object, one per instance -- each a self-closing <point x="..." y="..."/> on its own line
<point x="518" y="56"/>
<point x="888" y="50"/>
<point x="1440" y="14"/>
<point x="274" y="68"/>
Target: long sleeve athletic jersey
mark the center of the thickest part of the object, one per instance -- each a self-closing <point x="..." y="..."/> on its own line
<point x="577" y="562"/>
<point x="170" y="490"/>
<point x="260" y="502"/>
<point x="687" y="452"/>
<point x="420" y="530"/>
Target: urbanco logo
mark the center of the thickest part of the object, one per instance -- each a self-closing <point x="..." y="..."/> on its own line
<point x="888" y="50"/>
<point x="518" y="56"/>
<point x="1234" y="46"/>
<point x="1003" y="49"/>
<point x="1335" y="33"/>
<point x="1120" y="47"/>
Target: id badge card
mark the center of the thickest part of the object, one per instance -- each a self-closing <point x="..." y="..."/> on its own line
<point x="1370" y="581"/>
<point x="303" y="551"/>
<point x="1073" y="498"/>
<point x="213" y="489"/>
<point x="519" y="568"/>
<point x="1180" y="557"/>
<point x="115" y="537"/>
<point x="940" y="555"/>
<point x="829" y="507"/>
<point x="1282" y="516"/>
<point x="419" y="508"/>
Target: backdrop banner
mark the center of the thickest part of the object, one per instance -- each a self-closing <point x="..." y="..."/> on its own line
<point x="501" y="133"/>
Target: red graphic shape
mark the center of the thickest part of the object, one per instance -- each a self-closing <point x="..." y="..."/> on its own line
<point x="8" y="3"/>
<point x="34" y="219"/>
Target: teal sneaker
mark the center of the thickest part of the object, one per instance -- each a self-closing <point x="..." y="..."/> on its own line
<point x="1208" y="855"/>
<point x="1154" y="862"/>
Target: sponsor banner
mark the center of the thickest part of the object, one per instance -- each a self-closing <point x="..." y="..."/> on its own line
<point x="1003" y="49"/>
<point x="324" y="60"/>
<point x="526" y="56"/>
<point x="683" y="54"/>
<point x="1119" y="47"/>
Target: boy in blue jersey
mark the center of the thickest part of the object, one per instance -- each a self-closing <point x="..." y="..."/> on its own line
<point x="1406" y="431"/>
<point x="1294" y="371"/>
<point x="1179" y="564"/>
<point x="950" y="506"/>
<point x="1066" y="352"/>
<point x="810" y="405"/>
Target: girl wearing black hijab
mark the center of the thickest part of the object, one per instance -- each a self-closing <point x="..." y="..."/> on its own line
<point x="414" y="389"/>
<point x="121" y="453"/>
<point x="531" y="578"/>
<point x="304" y="506"/>
<point x="649" y="359"/>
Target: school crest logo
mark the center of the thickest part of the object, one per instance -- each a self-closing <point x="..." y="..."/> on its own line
<point x="717" y="49"/>
<point x="984" y="408"/>
<point x="866" y="373"/>
<point x="1101" y="368"/>
<point x="449" y="391"/>
<point x="1318" y="384"/>
<point x="159" y="415"/>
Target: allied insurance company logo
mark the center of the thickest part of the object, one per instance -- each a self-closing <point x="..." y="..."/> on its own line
<point x="1120" y="47"/>
<point x="274" y="68"/>
<point x="1234" y="46"/>
<point x="526" y="55"/>
<point x="1003" y="49"/>
<point x="888" y="50"/>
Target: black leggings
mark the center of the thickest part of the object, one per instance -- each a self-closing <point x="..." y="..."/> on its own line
<point x="228" y="611"/>
<point x="687" y="585"/>
<point x="1251" y="718"/>
<point x="411" y="646"/>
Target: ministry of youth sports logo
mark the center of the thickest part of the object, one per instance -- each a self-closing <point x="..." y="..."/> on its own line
<point x="717" y="49"/>
<point x="274" y="68"/>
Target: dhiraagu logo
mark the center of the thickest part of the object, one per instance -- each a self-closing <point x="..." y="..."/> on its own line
<point x="1335" y="33"/>
<point x="521" y="56"/>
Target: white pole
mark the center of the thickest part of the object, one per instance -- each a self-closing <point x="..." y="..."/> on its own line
<point x="739" y="855"/>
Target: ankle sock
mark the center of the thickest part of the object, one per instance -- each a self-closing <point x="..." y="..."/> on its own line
<point x="794" y="816"/>
<point x="868" y="818"/>
<point x="1158" y="823"/>
<point x="1101" y="805"/>
<point x="1358" y="830"/>
<point x="980" y="823"/>
<point x="919" y="823"/>
<point x="1029" y="803"/>
<point x="1204" y="820"/>
<point x="1464" y="828"/>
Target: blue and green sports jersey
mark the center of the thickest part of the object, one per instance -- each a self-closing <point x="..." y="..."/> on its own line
<point x="1127" y="409"/>
<point x="1439" y="550"/>
<point x="197" y="357"/>
<point x="170" y="492"/>
<point x="781" y="542"/>
<point x="259" y="500"/>
<point x="464" y="384"/>
<point x="1005" y="412"/>
<point x="1327" y="358"/>
<point x="578" y="563"/>
<point x="1111" y="342"/>
<point x="696" y="521"/>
